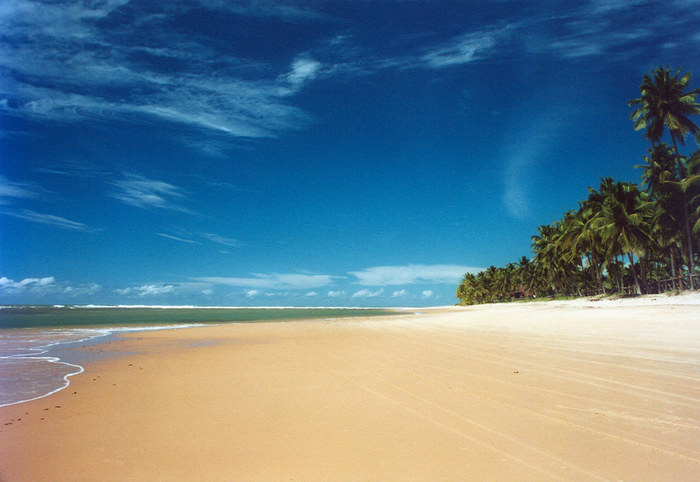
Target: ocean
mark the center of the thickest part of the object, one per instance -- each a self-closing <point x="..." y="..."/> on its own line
<point x="35" y="341"/>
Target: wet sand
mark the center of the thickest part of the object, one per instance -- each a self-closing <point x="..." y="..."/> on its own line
<point x="539" y="391"/>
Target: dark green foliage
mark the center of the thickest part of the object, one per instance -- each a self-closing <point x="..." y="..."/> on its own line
<point x="621" y="238"/>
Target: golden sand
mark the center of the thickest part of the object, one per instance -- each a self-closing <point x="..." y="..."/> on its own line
<point x="539" y="391"/>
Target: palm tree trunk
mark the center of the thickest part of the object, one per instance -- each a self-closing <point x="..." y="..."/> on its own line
<point x="598" y="269"/>
<point x="674" y="268"/>
<point x="686" y="215"/>
<point x="634" y="273"/>
<point x="643" y="274"/>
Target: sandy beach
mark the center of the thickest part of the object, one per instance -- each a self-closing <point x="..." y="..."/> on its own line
<point x="568" y="390"/>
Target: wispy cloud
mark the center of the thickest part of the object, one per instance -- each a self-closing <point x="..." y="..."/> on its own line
<point x="275" y="281"/>
<point x="60" y="62"/>
<point x="411" y="274"/>
<point x="609" y="29"/>
<point x="49" y="220"/>
<point x="303" y="70"/>
<point x="176" y="238"/>
<point x="146" y="290"/>
<point x="146" y="193"/>
<point x="11" y="191"/>
<point x="215" y="238"/>
<point x="75" y="67"/>
<point x="72" y="169"/>
<point x="464" y="49"/>
<point x="606" y="6"/>
<point x="365" y="293"/>
<point x="526" y="144"/>
<point x="288" y="11"/>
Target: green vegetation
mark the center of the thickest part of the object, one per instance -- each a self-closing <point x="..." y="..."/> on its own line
<point x="622" y="238"/>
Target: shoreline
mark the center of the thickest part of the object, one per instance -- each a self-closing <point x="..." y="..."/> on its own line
<point x="556" y="389"/>
<point x="32" y="337"/>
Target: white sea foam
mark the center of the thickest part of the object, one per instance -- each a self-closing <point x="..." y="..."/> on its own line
<point x="22" y="349"/>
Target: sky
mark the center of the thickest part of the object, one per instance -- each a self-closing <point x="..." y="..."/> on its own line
<point x="316" y="153"/>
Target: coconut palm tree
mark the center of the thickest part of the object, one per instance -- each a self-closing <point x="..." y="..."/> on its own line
<point x="625" y="221"/>
<point x="543" y="245"/>
<point x="583" y="239"/>
<point x="664" y="104"/>
<point x="691" y="186"/>
<point x="660" y="171"/>
<point x="661" y="182"/>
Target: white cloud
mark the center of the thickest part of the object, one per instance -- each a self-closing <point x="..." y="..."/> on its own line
<point x="463" y="49"/>
<point x="215" y="238"/>
<point x="146" y="290"/>
<point x="606" y="6"/>
<point x="288" y="12"/>
<point x="46" y="286"/>
<point x="145" y="193"/>
<point x="311" y="294"/>
<point x="516" y="194"/>
<point x="275" y="281"/>
<point x="8" y="285"/>
<point x="92" y="70"/>
<point x="48" y="219"/>
<point x="411" y="274"/>
<point x="11" y="191"/>
<point x="526" y="144"/>
<point x="83" y="290"/>
<point x="175" y="238"/>
<point x="303" y="70"/>
<point x="14" y="190"/>
<point x="367" y="293"/>
<point x="427" y="294"/>
<point x="399" y="293"/>
<point x="336" y="294"/>
<point x="252" y="293"/>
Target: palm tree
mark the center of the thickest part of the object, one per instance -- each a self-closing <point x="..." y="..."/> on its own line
<point x="624" y="221"/>
<point x="659" y="170"/>
<point x="661" y="182"/>
<point x="691" y="186"/>
<point x="543" y="244"/>
<point x="584" y="240"/>
<point x="664" y="104"/>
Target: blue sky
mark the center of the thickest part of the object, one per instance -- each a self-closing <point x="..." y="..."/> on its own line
<point x="327" y="153"/>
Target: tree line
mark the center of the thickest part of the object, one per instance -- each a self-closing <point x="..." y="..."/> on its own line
<point x="624" y="237"/>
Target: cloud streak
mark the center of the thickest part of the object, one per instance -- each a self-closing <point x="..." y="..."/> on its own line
<point x="144" y="193"/>
<point x="463" y="49"/>
<point x="175" y="238"/>
<point x="49" y="220"/>
<point x="12" y="191"/>
<point x="412" y="274"/>
<point x="274" y="281"/>
<point x="65" y="61"/>
<point x="215" y="238"/>
<point x="63" y="64"/>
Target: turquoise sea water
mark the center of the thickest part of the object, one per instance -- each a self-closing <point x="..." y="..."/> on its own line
<point x="35" y="361"/>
